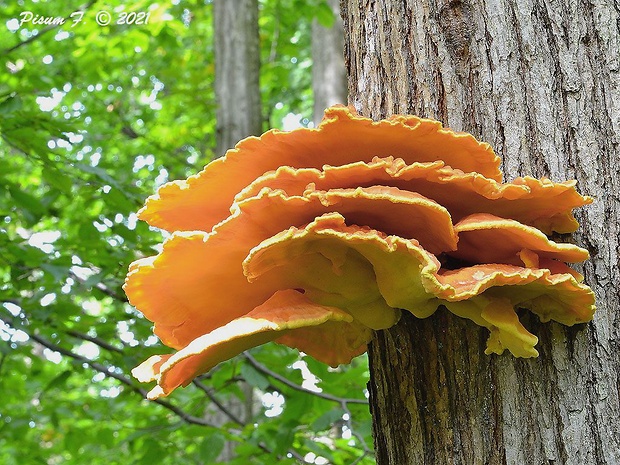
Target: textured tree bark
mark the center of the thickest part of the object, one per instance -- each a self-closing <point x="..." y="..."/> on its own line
<point x="539" y="80"/>
<point x="237" y="92"/>
<point x="237" y="72"/>
<point x="329" y="76"/>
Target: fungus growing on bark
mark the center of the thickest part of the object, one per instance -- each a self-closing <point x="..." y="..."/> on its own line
<point x="315" y="238"/>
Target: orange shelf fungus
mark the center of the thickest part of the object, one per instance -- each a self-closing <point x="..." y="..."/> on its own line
<point x="315" y="238"/>
<point x="342" y="137"/>
<point x="327" y="333"/>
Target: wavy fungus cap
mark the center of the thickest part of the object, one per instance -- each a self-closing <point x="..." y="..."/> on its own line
<point x="342" y="137"/>
<point x="315" y="238"/>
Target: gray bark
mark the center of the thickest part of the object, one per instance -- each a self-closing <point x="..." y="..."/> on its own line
<point x="237" y="71"/>
<point x="539" y="81"/>
<point x="329" y="78"/>
<point x="237" y="92"/>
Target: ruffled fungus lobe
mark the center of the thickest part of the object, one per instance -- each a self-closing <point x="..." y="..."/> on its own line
<point x="315" y="238"/>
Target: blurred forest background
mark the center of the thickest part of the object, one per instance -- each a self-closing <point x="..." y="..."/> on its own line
<point x="93" y="119"/>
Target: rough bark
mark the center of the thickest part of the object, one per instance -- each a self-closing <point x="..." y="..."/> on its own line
<point x="237" y="71"/>
<point x="237" y="92"/>
<point x="539" y="81"/>
<point x="329" y="77"/>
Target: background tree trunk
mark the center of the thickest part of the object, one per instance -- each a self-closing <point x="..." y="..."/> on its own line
<point x="237" y="92"/>
<point x="539" y="81"/>
<point x="329" y="77"/>
<point x="237" y="72"/>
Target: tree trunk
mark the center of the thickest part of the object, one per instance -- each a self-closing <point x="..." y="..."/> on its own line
<point x="329" y="78"/>
<point x="539" y="81"/>
<point x="237" y="72"/>
<point x="237" y="92"/>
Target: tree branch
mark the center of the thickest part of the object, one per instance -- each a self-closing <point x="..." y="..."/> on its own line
<point x="95" y="340"/>
<point x="100" y="286"/>
<point x="2" y="359"/>
<point x="188" y="418"/>
<point x="106" y="371"/>
<point x="221" y="406"/>
<point x="360" y="439"/>
<point x="340" y="400"/>
<point x="73" y="333"/>
<point x="266" y="371"/>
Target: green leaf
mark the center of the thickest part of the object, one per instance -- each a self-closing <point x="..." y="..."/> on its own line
<point x="320" y="450"/>
<point x="96" y="84"/>
<point x="53" y="177"/>
<point x="284" y="436"/>
<point x="297" y="405"/>
<point x="211" y="446"/>
<point x="253" y="377"/>
<point x="153" y="452"/>
<point x="58" y="381"/>
<point x="27" y="201"/>
<point x="74" y="439"/>
<point x="10" y="105"/>
<point x="324" y="15"/>
<point x="94" y="279"/>
<point x="327" y="420"/>
<point x="105" y="437"/>
<point x="58" y="272"/>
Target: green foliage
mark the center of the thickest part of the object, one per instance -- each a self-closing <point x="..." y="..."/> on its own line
<point x="92" y="119"/>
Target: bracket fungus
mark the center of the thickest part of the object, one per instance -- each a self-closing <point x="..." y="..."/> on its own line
<point x="315" y="238"/>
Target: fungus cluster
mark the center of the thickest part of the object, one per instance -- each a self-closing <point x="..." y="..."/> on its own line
<point x="315" y="238"/>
